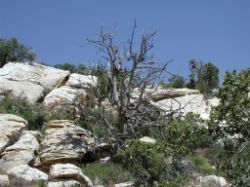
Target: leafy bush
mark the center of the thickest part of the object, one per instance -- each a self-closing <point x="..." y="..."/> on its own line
<point x="234" y="107"/>
<point x="106" y="173"/>
<point x="189" y="132"/>
<point x="12" y="50"/>
<point x="231" y="117"/>
<point x="150" y="163"/>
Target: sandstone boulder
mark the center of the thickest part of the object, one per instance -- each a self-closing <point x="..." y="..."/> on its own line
<point x="4" y="180"/>
<point x="212" y="180"/>
<point x="45" y="76"/>
<point x="64" y="96"/>
<point x="21" y="152"/>
<point x="158" y="93"/>
<point x="21" y="90"/>
<point x="69" y="171"/>
<point x="64" y="142"/>
<point x="11" y="127"/>
<point x="81" y="81"/>
<point x="64" y="183"/>
<point x="189" y="103"/>
<point x="26" y="176"/>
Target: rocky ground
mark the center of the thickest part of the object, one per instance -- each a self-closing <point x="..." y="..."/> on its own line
<point x="51" y="158"/>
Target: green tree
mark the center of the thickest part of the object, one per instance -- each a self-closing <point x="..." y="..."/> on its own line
<point x="204" y="77"/>
<point x="177" y="81"/>
<point x="12" y="50"/>
<point x="234" y="107"/>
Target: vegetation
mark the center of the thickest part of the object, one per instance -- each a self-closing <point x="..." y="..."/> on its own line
<point x="231" y="117"/>
<point x="177" y="81"/>
<point x="106" y="173"/>
<point x="187" y="144"/>
<point x="204" y="77"/>
<point x="150" y="163"/>
<point x="36" y="115"/>
<point x="13" y="51"/>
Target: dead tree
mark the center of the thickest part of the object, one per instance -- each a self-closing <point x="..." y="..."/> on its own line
<point x="129" y="68"/>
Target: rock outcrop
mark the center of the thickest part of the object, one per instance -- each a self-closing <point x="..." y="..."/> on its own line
<point x="11" y="127"/>
<point x="21" y="90"/>
<point x="45" y="76"/>
<point x="20" y="153"/>
<point x="69" y="172"/>
<point x="77" y="91"/>
<point x="26" y="176"/>
<point x="183" y="100"/>
<point x="64" y="142"/>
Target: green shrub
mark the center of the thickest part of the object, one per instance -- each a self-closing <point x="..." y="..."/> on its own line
<point x="148" y="162"/>
<point x="105" y="173"/>
<point x="189" y="132"/>
<point x="203" y="165"/>
<point x="177" y="82"/>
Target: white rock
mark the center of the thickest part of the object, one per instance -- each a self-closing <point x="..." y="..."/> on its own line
<point x="64" y="142"/>
<point x="69" y="171"/>
<point x="82" y="81"/>
<point x="64" y="95"/>
<point x="47" y="77"/>
<point x="159" y="93"/>
<point x="4" y="181"/>
<point x="125" y="184"/>
<point x="11" y="127"/>
<point x="213" y="179"/>
<point x="24" y="176"/>
<point x="64" y="183"/>
<point x="189" y="103"/>
<point x="147" y="140"/>
<point x="21" y="152"/>
<point x="21" y="90"/>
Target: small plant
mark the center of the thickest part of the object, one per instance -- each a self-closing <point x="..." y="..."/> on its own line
<point x="203" y="165"/>
<point x="106" y="173"/>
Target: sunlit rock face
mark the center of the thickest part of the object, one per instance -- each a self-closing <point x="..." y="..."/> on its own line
<point x="64" y="142"/>
<point x="21" y="90"/>
<point x="45" y="76"/>
<point x="11" y="127"/>
<point x="68" y="172"/>
<point x="182" y="100"/>
<point x="24" y="176"/>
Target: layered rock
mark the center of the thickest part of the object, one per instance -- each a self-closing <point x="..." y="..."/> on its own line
<point x="77" y="91"/>
<point x="11" y="127"/>
<point x="20" y="153"/>
<point x="69" y="172"/>
<point x="64" y="142"/>
<point x="181" y="100"/>
<point x="26" y="176"/>
<point x="63" y="97"/>
<point x="45" y="76"/>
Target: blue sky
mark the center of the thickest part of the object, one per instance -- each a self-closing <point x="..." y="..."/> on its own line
<point x="216" y="31"/>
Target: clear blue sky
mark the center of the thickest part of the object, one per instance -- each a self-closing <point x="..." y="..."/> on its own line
<point x="216" y="31"/>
